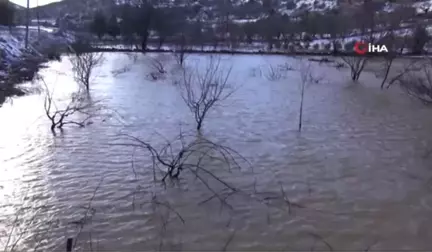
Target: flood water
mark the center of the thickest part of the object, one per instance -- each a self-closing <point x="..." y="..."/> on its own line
<point x="358" y="172"/>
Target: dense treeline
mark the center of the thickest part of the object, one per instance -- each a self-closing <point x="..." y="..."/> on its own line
<point x="194" y="25"/>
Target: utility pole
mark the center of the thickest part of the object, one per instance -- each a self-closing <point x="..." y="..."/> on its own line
<point x="37" y="16"/>
<point x="27" y="23"/>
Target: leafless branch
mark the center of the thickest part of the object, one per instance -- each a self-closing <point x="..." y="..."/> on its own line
<point x="20" y="226"/>
<point x="320" y="238"/>
<point x="89" y="212"/>
<point x="180" y="155"/>
<point x="413" y="65"/>
<point x="230" y="239"/>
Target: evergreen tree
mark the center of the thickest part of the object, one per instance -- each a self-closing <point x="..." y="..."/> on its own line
<point x="99" y="25"/>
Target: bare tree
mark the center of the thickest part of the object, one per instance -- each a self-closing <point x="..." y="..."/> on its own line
<point x="406" y="68"/>
<point x="202" y="90"/>
<point x="307" y="77"/>
<point x="356" y="65"/>
<point x="366" y="21"/>
<point x="187" y="153"/>
<point x="418" y="81"/>
<point x="79" y="105"/>
<point x="83" y="65"/>
<point x="396" y="43"/>
<point x="180" y="51"/>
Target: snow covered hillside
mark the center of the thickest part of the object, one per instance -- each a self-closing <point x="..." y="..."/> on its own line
<point x="13" y="50"/>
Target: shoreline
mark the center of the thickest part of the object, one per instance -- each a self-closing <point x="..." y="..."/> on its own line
<point x="259" y="52"/>
<point x="20" y="71"/>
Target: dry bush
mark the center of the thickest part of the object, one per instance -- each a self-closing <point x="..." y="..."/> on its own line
<point x="276" y="72"/>
<point x="157" y="66"/>
<point x="273" y="73"/>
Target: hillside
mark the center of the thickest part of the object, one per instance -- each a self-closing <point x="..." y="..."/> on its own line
<point x="78" y="8"/>
<point x="238" y="10"/>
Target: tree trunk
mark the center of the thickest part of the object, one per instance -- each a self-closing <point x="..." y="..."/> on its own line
<point x="354" y="76"/>
<point x="144" y="41"/>
<point x="335" y="49"/>
<point x="161" y="42"/>
<point x="301" y="108"/>
<point x="389" y="64"/>
<point x="199" y="125"/>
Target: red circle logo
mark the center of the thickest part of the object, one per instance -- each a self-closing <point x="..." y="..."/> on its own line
<point x="360" y="47"/>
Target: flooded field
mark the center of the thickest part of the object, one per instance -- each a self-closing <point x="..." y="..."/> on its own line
<point x="356" y="177"/>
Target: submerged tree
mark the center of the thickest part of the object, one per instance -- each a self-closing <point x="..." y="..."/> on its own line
<point x="83" y="65"/>
<point x="356" y="65"/>
<point x="307" y="77"/>
<point x="80" y="105"/>
<point x="201" y="90"/>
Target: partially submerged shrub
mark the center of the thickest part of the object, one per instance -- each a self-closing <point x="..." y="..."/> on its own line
<point x="157" y="66"/>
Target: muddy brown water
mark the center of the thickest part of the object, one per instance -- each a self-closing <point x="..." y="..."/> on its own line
<point x="359" y="169"/>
